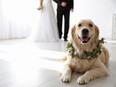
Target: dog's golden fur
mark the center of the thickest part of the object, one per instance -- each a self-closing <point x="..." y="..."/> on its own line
<point x="93" y="68"/>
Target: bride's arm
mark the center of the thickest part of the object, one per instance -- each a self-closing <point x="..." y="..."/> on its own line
<point x="41" y="5"/>
<point x="41" y="2"/>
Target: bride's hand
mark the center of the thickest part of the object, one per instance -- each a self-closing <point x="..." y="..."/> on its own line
<point x="63" y="4"/>
<point x="40" y="8"/>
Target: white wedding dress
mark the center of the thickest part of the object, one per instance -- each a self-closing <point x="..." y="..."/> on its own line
<point x="47" y="28"/>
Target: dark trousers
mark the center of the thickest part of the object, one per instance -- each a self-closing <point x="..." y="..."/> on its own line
<point x="60" y="15"/>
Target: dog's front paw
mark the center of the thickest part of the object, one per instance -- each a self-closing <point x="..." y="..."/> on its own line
<point x="66" y="78"/>
<point x="83" y="80"/>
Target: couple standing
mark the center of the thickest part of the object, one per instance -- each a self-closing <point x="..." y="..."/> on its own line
<point x="48" y="29"/>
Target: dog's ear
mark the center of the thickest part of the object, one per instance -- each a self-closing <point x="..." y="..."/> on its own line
<point x="72" y="33"/>
<point x="96" y="32"/>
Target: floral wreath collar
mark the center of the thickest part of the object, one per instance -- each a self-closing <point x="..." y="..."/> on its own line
<point x="86" y="54"/>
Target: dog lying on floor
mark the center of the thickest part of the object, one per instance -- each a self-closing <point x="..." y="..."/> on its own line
<point x="86" y="54"/>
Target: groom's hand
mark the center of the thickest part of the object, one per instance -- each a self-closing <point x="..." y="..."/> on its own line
<point x="71" y="10"/>
<point x="63" y="4"/>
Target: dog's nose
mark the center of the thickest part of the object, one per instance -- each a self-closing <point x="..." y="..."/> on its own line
<point x="85" y="32"/>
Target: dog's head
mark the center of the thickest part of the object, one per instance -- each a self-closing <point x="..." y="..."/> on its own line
<point x="85" y="31"/>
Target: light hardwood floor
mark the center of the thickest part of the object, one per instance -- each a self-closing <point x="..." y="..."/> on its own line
<point x="29" y="64"/>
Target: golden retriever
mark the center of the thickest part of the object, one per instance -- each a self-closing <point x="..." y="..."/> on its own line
<point x="84" y="36"/>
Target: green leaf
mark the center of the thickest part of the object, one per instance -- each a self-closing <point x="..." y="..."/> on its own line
<point x="93" y="54"/>
<point x="101" y="41"/>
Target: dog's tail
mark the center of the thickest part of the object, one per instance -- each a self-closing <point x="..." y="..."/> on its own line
<point x="61" y="59"/>
<point x="64" y="58"/>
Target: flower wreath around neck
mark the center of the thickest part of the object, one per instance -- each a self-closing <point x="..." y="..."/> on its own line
<point x="86" y="54"/>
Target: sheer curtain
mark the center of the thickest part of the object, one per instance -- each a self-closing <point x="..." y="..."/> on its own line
<point x="17" y="18"/>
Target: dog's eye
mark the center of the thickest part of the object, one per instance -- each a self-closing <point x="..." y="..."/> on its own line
<point x="90" y="25"/>
<point x="79" y="25"/>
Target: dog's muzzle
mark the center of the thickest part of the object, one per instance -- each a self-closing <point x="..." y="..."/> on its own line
<point x="85" y="36"/>
<point x="85" y="32"/>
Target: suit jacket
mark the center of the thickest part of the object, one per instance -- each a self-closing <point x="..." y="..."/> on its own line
<point x="69" y="5"/>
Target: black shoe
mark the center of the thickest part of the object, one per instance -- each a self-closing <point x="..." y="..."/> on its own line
<point x="65" y="39"/>
<point x="60" y="37"/>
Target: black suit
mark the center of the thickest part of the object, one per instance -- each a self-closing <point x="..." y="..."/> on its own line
<point x="66" y="12"/>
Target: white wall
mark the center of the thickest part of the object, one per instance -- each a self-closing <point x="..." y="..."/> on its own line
<point x="99" y="11"/>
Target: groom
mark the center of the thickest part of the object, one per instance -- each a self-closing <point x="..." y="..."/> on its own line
<point x="63" y="9"/>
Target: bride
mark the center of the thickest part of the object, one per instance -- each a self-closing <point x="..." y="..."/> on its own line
<point x="47" y="28"/>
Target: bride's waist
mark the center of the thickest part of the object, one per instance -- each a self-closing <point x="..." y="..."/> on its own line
<point x="47" y="1"/>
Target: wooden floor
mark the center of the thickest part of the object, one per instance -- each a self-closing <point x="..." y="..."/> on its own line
<point x="27" y="64"/>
